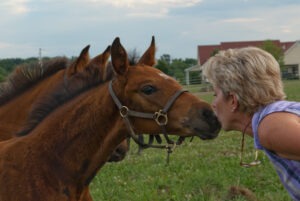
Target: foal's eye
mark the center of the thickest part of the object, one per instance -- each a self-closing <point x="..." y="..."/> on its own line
<point x="148" y="89"/>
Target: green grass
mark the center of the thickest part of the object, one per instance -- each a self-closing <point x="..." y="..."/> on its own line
<point x="198" y="171"/>
<point x="292" y="89"/>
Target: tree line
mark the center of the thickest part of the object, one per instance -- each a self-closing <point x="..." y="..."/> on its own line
<point x="171" y="66"/>
<point x="8" y="65"/>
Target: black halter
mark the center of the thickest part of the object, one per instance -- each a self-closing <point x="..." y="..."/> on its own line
<point x="160" y="117"/>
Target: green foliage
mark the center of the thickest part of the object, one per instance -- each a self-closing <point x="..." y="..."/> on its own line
<point x="163" y="66"/>
<point x="8" y="65"/>
<point x="3" y="74"/>
<point x="214" y="52"/>
<point x="176" y="67"/>
<point x="276" y="51"/>
<point x="198" y="171"/>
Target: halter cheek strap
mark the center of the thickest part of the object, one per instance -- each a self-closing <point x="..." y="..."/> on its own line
<point x="160" y="117"/>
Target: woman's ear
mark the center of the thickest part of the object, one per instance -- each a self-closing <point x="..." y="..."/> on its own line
<point x="233" y="102"/>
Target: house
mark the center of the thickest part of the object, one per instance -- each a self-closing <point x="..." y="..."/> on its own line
<point x="291" y="54"/>
<point x="292" y="61"/>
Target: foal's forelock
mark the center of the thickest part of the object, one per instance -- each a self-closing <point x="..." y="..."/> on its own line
<point x="26" y="75"/>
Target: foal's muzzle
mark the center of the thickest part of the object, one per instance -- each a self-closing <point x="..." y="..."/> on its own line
<point x="204" y="123"/>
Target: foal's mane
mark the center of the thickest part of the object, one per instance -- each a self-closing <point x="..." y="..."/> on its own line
<point x="65" y="91"/>
<point x="26" y="75"/>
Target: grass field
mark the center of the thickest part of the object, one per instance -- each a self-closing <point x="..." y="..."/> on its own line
<point x="198" y="171"/>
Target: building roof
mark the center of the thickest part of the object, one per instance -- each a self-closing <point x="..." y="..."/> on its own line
<point x="206" y="51"/>
<point x="193" y="68"/>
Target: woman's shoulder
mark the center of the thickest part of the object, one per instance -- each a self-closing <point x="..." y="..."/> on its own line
<point x="279" y="132"/>
<point x="278" y="106"/>
<point x="267" y="118"/>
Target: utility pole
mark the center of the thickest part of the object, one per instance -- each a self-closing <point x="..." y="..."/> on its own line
<point x="40" y="57"/>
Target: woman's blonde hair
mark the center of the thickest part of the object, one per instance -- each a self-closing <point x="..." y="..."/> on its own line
<point x="251" y="73"/>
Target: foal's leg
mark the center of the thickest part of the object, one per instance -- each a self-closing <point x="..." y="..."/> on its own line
<point x="141" y="140"/>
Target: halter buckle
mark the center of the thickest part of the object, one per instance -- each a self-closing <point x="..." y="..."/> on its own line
<point x="161" y="118"/>
<point x="124" y="111"/>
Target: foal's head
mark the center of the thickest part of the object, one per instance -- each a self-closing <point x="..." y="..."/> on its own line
<point x="146" y="89"/>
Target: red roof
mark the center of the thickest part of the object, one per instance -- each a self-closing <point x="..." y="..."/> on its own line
<point x="205" y="51"/>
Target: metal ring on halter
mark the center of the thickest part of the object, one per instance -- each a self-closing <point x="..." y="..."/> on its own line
<point x="124" y="111"/>
<point x="161" y="118"/>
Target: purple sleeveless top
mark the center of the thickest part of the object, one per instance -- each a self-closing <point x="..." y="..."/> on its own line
<point x="288" y="170"/>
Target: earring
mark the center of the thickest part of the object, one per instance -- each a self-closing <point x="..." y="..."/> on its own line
<point x="233" y="109"/>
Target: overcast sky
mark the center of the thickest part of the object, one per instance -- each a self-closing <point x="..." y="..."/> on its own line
<point x="65" y="27"/>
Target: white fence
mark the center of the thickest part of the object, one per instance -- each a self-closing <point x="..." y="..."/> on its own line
<point x="196" y="84"/>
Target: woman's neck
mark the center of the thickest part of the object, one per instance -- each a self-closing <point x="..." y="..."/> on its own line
<point x="243" y="123"/>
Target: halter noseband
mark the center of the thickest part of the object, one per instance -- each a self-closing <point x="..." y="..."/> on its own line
<point x="160" y="117"/>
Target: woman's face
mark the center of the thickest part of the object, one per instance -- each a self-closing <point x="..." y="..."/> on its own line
<point x="223" y="108"/>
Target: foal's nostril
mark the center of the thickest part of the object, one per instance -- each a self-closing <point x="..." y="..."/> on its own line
<point x="206" y="113"/>
<point x="118" y="154"/>
<point x="120" y="151"/>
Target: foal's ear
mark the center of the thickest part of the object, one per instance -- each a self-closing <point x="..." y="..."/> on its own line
<point x="119" y="57"/>
<point x="102" y="59"/>
<point x="148" y="57"/>
<point x="100" y="62"/>
<point x="80" y="63"/>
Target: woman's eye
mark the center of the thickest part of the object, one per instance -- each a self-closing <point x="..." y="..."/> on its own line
<point x="148" y="89"/>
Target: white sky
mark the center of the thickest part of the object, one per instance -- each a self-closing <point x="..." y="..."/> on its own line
<point x="64" y="28"/>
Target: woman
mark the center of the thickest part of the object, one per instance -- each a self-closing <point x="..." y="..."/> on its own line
<point x="249" y="97"/>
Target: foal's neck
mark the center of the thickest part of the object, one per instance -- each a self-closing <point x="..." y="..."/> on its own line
<point x="14" y="113"/>
<point x="83" y="133"/>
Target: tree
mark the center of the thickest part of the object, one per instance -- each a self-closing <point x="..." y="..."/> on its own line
<point x="3" y="74"/>
<point x="214" y="52"/>
<point x="176" y="67"/>
<point x="275" y="50"/>
<point x="8" y="65"/>
<point x="163" y="66"/>
<point x="166" y="58"/>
